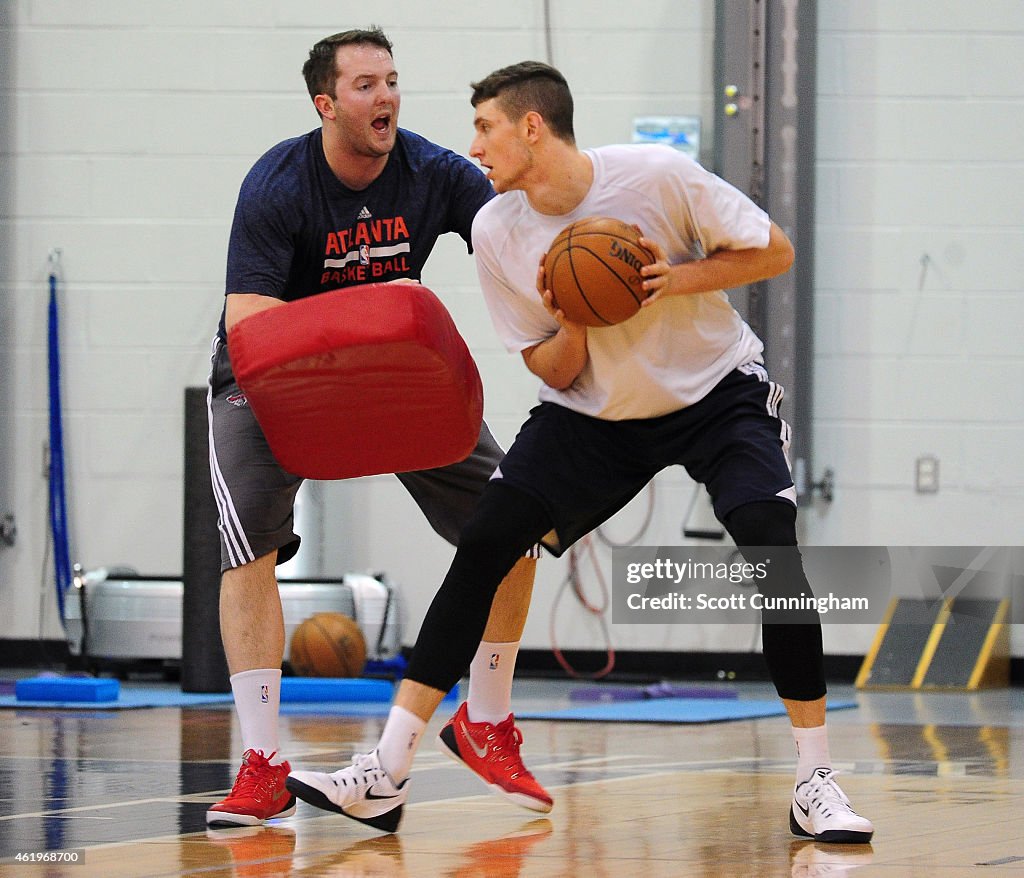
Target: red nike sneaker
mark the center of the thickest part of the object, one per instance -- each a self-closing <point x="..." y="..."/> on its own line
<point x="491" y="752"/>
<point x="258" y="794"/>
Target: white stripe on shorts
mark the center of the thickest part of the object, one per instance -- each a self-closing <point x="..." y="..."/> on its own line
<point x="776" y="392"/>
<point x="228" y="523"/>
<point x="754" y="368"/>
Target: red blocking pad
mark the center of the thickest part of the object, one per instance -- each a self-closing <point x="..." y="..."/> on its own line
<point x="360" y="381"/>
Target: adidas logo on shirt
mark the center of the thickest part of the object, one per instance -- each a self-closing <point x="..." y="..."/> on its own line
<point x="364" y="213"/>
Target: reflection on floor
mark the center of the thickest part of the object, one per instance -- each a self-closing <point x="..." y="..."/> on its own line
<point x="126" y="792"/>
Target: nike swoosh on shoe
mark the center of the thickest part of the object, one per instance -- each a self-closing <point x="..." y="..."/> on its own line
<point x="481" y="752"/>
<point x="370" y="795"/>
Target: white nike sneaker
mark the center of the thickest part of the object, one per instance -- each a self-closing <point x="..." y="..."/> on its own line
<point x="821" y="811"/>
<point x="363" y="791"/>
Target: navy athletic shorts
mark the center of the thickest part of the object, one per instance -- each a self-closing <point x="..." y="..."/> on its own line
<point x="585" y="469"/>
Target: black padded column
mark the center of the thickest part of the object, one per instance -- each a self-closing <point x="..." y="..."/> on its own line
<point x="203" y="666"/>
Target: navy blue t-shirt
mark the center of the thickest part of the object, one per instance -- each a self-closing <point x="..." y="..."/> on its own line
<point x="299" y="231"/>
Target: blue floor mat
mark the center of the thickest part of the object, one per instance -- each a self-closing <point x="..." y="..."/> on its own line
<point x="670" y="710"/>
<point x="347" y="697"/>
<point x="130" y="696"/>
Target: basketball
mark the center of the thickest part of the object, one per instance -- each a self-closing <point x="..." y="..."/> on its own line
<point x="328" y="645"/>
<point x="593" y="271"/>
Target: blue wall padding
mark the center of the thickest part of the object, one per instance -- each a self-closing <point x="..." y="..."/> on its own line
<point x="295" y="689"/>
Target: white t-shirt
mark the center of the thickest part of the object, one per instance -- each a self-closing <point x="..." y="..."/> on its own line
<point x="669" y="355"/>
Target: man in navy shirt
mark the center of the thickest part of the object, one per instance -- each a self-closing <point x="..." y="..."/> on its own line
<point x="356" y="201"/>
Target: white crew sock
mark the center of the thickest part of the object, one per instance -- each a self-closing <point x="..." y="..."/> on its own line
<point x="812" y="751"/>
<point x="258" y="703"/>
<point x="490" y="682"/>
<point x="398" y="742"/>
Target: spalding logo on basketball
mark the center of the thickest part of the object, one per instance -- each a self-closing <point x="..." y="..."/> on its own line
<point x="593" y="271"/>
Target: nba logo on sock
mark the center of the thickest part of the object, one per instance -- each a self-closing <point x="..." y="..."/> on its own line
<point x="265" y="694"/>
<point x="494" y="661"/>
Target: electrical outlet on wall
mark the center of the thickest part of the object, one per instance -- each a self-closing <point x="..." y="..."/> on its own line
<point x="927" y="477"/>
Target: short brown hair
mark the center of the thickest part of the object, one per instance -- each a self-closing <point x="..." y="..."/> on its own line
<point x="319" y="70"/>
<point x="526" y="86"/>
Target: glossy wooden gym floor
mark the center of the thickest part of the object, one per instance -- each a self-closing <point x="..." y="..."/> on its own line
<point x="941" y="776"/>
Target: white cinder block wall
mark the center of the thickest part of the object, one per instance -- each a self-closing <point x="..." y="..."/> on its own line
<point x="126" y="128"/>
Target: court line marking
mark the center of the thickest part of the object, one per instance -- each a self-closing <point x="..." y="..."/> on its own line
<point x="431" y="803"/>
<point x="190" y="798"/>
<point x="638" y="764"/>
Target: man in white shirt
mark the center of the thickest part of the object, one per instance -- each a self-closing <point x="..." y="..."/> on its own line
<point x="682" y="382"/>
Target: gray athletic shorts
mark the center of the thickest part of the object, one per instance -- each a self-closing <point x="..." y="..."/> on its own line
<point x="255" y="496"/>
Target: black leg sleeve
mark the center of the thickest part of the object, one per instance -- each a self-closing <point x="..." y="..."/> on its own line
<point x="791" y="640"/>
<point x="506" y="523"/>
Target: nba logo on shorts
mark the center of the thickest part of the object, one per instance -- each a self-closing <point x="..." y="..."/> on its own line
<point x="265" y="694"/>
<point x="494" y="661"/>
<point x="364" y="254"/>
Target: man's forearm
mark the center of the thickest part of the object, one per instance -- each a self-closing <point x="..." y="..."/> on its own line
<point x="725" y="269"/>
<point x="242" y="305"/>
<point x="558" y="361"/>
